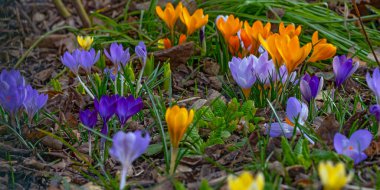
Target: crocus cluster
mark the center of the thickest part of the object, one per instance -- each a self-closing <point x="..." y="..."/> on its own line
<point x="246" y="182"/>
<point x="355" y="146"/>
<point x="126" y="148"/>
<point x="243" y="40"/>
<point x="15" y="94"/>
<point x="333" y="177"/>
<point x="247" y="70"/>
<point x="178" y="120"/>
<point x="80" y="58"/>
<point x="170" y="16"/>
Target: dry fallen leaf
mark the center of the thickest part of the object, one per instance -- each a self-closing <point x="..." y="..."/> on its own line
<point x="327" y="129"/>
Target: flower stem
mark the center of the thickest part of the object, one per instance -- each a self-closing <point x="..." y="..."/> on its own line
<point x="174" y="154"/>
<point x="124" y="174"/>
<point x="85" y="87"/>
<point x="140" y="76"/>
<point x="89" y="144"/>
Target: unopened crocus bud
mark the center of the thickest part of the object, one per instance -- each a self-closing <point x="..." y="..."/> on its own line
<point x="130" y="72"/>
<point x="167" y="76"/>
<point x="149" y="67"/>
<point x="56" y="85"/>
<point x="97" y="79"/>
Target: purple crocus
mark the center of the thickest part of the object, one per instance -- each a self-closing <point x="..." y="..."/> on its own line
<point x="283" y="75"/>
<point x="110" y="73"/>
<point x="126" y="148"/>
<point x="374" y="82"/>
<point x="127" y="107"/>
<point x="72" y="60"/>
<point x="88" y="117"/>
<point x="141" y="51"/>
<point x="264" y="69"/>
<point x="375" y="110"/>
<point x="310" y="86"/>
<point x="242" y="71"/>
<point x="343" y="68"/>
<point x="88" y="59"/>
<point x="355" y="146"/>
<point x="117" y="54"/>
<point x="106" y="107"/>
<point x="296" y="112"/>
<point x="12" y="93"/>
<point x="34" y="101"/>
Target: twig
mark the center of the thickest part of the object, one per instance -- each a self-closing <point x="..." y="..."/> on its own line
<point x="61" y="8"/>
<point x="82" y="13"/>
<point x="365" y="33"/>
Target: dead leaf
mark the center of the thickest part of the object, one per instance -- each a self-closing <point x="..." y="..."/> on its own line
<point x="327" y="129"/>
<point x="358" y="118"/>
<point x="52" y="143"/>
<point x="211" y="67"/>
<point x="177" y="55"/>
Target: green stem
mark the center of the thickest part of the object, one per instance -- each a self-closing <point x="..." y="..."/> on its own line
<point x="82" y="13"/>
<point x="61" y="8"/>
<point x="174" y="154"/>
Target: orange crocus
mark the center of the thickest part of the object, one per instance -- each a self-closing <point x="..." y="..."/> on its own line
<point x="254" y="31"/>
<point x="269" y="44"/>
<point x="291" y="52"/>
<point x="193" y="22"/>
<point x="228" y="26"/>
<point x="234" y="45"/>
<point x="167" y="43"/>
<point x="169" y="15"/>
<point x="290" y="30"/>
<point x="321" y="49"/>
<point x="182" y="39"/>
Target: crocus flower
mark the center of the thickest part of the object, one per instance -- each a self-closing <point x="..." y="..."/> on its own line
<point x="72" y="60"/>
<point x="88" y="117"/>
<point x="343" y="68"/>
<point x="182" y="39"/>
<point x="254" y="31"/>
<point x="12" y="93"/>
<point x="321" y="49"/>
<point x="264" y="69"/>
<point x="296" y="112"/>
<point x="164" y="43"/>
<point x="111" y="73"/>
<point x="178" y="120"/>
<point x="34" y="101"/>
<point x="242" y="72"/>
<point x="289" y="30"/>
<point x="228" y="26"/>
<point x="193" y="22"/>
<point x="117" y="54"/>
<point x="374" y="82"/>
<point x="141" y="51"/>
<point x="85" y="42"/>
<point x="355" y="146"/>
<point x="106" y="107"/>
<point x="310" y="86"/>
<point x="127" y="107"/>
<point x="269" y="44"/>
<point x="126" y="148"/>
<point x="246" y="182"/>
<point x="169" y="15"/>
<point x="88" y="59"/>
<point x="297" y="54"/>
<point x="282" y="75"/>
<point x="333" y="177"/>
<point x="375" y="110"/>
<point x="234" y="45"/>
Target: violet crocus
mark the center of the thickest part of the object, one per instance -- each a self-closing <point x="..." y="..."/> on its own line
<point x="12" y="93"/>
<point x="126" y="148"/>
<point x="117" y="54"/>
<point x="310" y="86"/>
<point x="242" y="71"/>
<point x="106" y="107"/>
<point x="264" y="69"/>
<point x="374" y="83"/>
<point x="127" y="107"/>
<point x="141" y="52"/>
<point x="343" y="68"/>
<point x="283" y="76"/>
<point x="296" y="112"/>
<point x="88" y="59"/>
<point x="33" y="101"/>
<point x="72" y="60"/>
<point x="88" y="117"/>
<point x="110" y="73"/>
<point x="375" y="110"/>
<point x="355" y="146"/>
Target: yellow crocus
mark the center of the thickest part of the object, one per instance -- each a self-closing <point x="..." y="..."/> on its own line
<point x="193" y="22"/>
<point x="291" y="52"/>
<point x="321" y="49"/>
<point x="290" y="30"/>
<point x="228" y="26"/>
<point x="246" y="182"/>
<point x="333" y="177"/>
<point x="169" y="15"/>
<point x="85" y="42"/>
<point x="164" y="43"/>
<point x="269" y="44"/>
<point x="178" y="120"/>
<point x="254" y="31"/>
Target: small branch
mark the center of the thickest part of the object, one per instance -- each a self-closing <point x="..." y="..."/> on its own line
<point x="82" y="13"/>
<point x="61" y="8"/>
<point x="365" y="33"/>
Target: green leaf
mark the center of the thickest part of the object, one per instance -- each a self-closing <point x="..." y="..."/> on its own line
<point x="205" y="185"/>
<point x="289" y="158"/>
<point x="153" y="149"/>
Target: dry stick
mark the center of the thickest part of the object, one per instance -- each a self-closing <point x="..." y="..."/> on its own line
<point x="365" y="33"/>
<point x="82" y="13"/>
<point x="61" y="8"/>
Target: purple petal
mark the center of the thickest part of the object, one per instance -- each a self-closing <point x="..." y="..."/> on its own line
<point x="283" y="129"/>
<point x="340" y="143"/>
<point x="361" y="139"/>
<point x="305" y="90"/>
